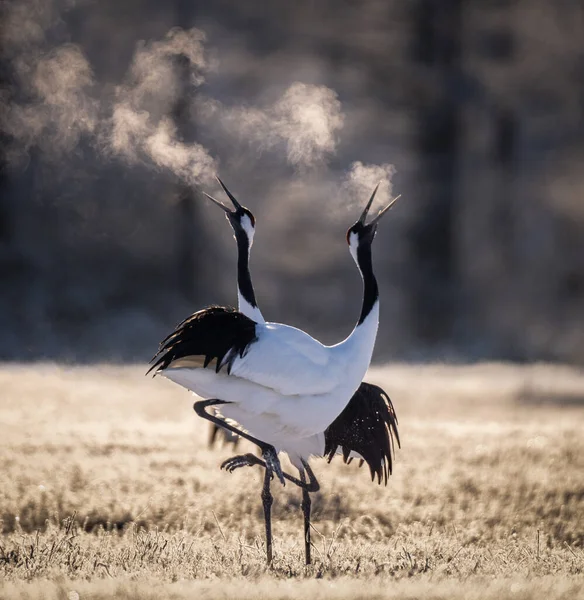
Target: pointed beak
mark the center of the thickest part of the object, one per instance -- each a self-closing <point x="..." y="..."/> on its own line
<point x="364" y="213"/>
<point x="231" y="197"/>
<point x="380" y="213"/>
<point x="219" y="204"/>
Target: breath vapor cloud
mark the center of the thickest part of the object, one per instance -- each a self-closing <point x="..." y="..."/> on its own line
<point x="141" y="127"/>
<point x="48" y="102"/>
<point x="56" y="103"/>
<point x="361" y="179"/>
<point x="304" y="121"/>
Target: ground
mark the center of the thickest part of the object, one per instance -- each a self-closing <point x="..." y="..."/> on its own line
<point x="107" y="489"/>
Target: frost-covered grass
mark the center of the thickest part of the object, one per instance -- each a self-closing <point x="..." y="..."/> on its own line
<point x="107" y="489"/>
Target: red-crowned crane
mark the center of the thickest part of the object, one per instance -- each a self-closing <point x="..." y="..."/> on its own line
<point x="276" y="381"/>
<point x="367" y="427"/>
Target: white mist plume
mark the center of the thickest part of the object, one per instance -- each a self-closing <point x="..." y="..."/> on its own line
<point x="308" y="118"/>
<point x="49" y="103"/>
<point x="140" y="128"/>
<point x="52" y="106"/>
<point x="361" y="180"/>
<point x="153" y="82"/>
<point x="55" y="104"/>
<point x="305" y="120"/>
<point x="191" y="162"/>
<point x="25" y="23"/>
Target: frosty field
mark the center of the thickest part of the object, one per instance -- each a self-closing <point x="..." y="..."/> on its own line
<point x="107" y="489"/>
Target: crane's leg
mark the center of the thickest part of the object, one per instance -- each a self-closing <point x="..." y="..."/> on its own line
<point x="312" y="485"/>
<point x="267" y="501"/>
<point x="268" y="451"/>
<point x="306" y="506"/>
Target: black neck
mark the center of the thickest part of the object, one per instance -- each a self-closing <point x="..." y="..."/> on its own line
<point x="243" y="275"/>
<point x="370" y="289"/>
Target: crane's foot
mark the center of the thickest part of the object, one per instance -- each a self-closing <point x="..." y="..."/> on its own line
<point x="243" y="460"/>
<point x="273" y="463"/>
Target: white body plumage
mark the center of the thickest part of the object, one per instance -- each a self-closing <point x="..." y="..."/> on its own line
<point x="288" y="387"/>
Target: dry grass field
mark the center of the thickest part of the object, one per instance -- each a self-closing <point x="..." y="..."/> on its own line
<point x="107" y="489"/>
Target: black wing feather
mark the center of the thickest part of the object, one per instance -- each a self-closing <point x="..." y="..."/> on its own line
<point x="215" y="332"/>
<point x="367" y="425"/>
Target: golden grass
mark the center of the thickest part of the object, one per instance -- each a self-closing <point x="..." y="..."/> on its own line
<point x="107" y="489"/>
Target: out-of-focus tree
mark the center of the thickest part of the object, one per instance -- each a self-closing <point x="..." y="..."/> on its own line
<point x="521" y="249"/>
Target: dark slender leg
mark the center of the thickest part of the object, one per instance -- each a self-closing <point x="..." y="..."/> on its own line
<point x="268" y="451"/>
<point x="271" y="464"/>
<point x="267" y="500"/>
<point x="249" y="460"/>
<point x="306" y="504"/>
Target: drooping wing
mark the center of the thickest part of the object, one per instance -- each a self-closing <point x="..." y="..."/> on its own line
<point x="367" y="426"/>
<point x="288" y="361"/>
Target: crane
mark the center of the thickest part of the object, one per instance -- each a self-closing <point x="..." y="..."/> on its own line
<point x="367" y="427"/>
<point x="282" y="386"/>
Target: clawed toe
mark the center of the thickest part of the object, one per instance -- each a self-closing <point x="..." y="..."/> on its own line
<point x="244" y="460"/>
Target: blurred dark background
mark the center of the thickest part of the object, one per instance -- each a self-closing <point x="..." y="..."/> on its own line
<point x="112" y="121"/>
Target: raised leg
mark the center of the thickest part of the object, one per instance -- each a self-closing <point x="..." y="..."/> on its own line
<point x="267" y="501"/>
<point x="268" y="451"/>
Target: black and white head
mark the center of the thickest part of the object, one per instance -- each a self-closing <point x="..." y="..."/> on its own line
<point x="361" y="234"/>
<point x="241" y="219"/>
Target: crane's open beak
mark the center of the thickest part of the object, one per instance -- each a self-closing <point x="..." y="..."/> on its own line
<point x="380" y="213"/>
<point x="231" y="197"/>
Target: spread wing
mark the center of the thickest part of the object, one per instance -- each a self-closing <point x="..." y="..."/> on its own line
<point x="266" y="354"/>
